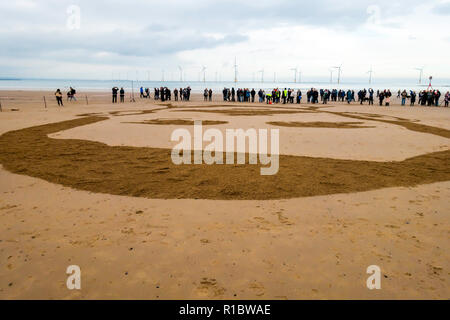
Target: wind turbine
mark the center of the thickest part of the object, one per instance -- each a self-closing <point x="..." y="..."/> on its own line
<point x="262" y="75"/>
<point x="331" y="75"/>
<point x="339" y="68"/>
<point x="295" y="74"/>
<point x="235" y="70"/>
<point x="370" y="72"/>
<point x="300" y="77"/>
<point x="181" y="73"/>
<point x="204" y="73"/>
<point x="421" y="74"/>
<point x="162" y="75"/>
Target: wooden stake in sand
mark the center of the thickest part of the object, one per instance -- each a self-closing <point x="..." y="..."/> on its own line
<point x="132" y="92"/>
<point x="45" y="102"/>
<point x="1" y="106"/>
<point x="87" y="101"/>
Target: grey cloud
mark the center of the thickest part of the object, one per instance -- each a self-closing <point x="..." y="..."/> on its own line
<point x="116" y="42"/>
<point x="160" y="29"/>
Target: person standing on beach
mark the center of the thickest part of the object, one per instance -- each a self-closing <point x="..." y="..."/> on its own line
<point x="404" y="95"/>
<point x="114" y="94"/>
<point x="73" y="92"/>
<point x="419" y="101"/>
<point x="325" y="96"/>
<point x="430" y="98"/>
<point x="447" y="98"/>
<point x="59" y="98"/>
<point x="299" y="96"/>
<point x="315" y="96"/>
<point x="437" y="96"/>
<point x="269" y="97"/>
<point x="210" y="94"/>
<point x="349" y="96"/>
<point x="381" y="97"/>
<point x="371" y="97"/>
<point x="122" y="95"/>
<point x="413" y="98"/>
<point x="162" y="94"/>
<point x="284" y="95"/>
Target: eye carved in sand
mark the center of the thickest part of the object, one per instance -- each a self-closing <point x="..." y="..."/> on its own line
<point x="150" y="173"/>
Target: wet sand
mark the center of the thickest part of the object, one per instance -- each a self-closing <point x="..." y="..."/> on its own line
<point x="298" y="248"/>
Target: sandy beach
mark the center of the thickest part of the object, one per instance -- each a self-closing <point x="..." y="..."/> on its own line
<point x="358" y="186"/>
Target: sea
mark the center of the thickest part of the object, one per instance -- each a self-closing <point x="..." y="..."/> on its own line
<point x="217" y="86"/>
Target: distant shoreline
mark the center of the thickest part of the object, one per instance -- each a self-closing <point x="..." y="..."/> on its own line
<point x="198" y="87"/>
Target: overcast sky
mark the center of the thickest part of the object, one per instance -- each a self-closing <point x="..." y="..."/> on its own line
<point x="135" y="38"/>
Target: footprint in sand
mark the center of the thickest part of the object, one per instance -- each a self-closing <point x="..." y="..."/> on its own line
<point x="209" y="287"/>
<point x="257" y="288"/>
<point x="262" y="223"/>
<point x="8" y="207"/>
<point x="284" y="220"/>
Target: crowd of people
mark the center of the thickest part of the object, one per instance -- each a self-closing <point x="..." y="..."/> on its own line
<point x="165" y="94"/>
<point x="426" y="97"/>
<point x="423" y="98"/>
<point x="429" y="97"/>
